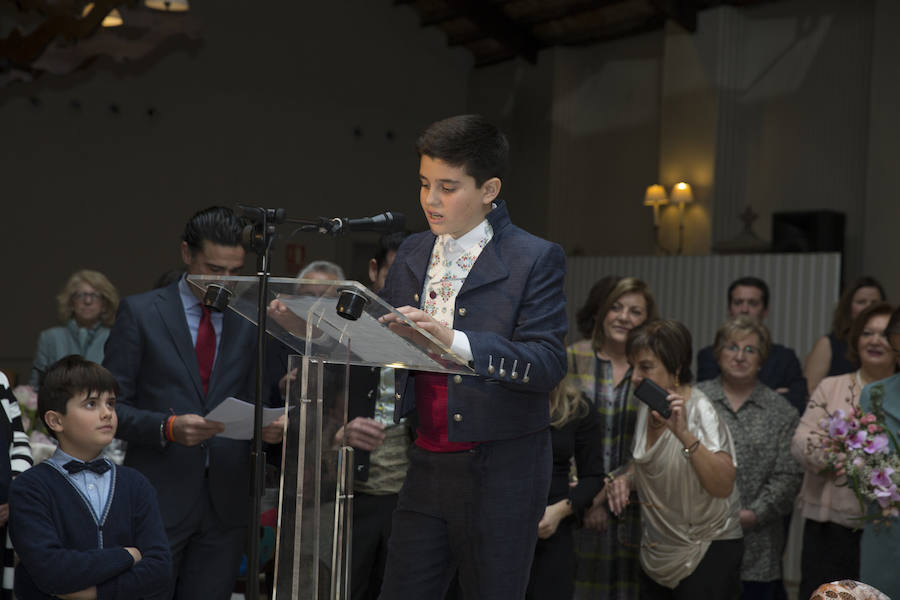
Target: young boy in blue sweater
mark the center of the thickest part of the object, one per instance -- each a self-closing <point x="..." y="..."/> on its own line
<point x="83" y="527"/>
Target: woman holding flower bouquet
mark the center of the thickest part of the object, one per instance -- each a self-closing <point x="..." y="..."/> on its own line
<point x="691" y="544"/>
<point x="881" y="543"/>
<point x="831" y="511"/>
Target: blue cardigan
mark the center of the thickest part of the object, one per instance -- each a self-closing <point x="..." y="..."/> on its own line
<point x="63" y="549"/>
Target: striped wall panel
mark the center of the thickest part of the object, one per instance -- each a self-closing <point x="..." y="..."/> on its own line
<point x="692" y="289"/>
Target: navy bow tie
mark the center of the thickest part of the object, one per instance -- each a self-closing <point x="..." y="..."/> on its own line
<point x="99" y="466"/>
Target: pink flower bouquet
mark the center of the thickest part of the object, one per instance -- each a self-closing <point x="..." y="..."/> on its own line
<point x="859" y="446"/>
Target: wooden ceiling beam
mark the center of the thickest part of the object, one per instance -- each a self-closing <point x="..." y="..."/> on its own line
<point x="538" y="17"/>
<point x="683" y="12"/>
<point x="561" y="11"/>
<point x="608" y="33"/>
<point x="493" y="21"/>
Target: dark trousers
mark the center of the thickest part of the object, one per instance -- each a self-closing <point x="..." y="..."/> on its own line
<point x="475" y="511"/>
<point x="206" y="554"/>
<point x="717" y="577"/>
<point x="761" y="590"/>
<point x="372" y="516"/>
<point x="553" y="569"/>
<point x="830" y="552"/>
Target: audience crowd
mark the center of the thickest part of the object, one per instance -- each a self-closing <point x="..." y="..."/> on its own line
<point x="694" y="503"/>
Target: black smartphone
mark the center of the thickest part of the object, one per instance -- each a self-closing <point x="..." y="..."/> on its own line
<point x="653" y="396"/>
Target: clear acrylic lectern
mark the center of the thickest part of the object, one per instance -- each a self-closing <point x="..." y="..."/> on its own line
<point x="331" y="325"/>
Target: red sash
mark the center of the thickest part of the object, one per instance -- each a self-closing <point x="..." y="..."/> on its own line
<point x="431" y="406"/>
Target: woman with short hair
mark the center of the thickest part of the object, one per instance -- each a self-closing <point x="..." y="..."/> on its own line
<point x="684" y="474"/>
<point x="831" y="512"/>
<point x="880" y="545"/>
<point x="86" y="307"/>
<point x="762" y="423"/>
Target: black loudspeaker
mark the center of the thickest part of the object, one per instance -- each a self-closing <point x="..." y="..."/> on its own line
<point x="808" y="231"/>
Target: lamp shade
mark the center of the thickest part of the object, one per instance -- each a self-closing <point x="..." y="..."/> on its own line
<point x="682" y="193"/>
<point x="112" y="19"/>
<point x="168" y="5"/>
<point x="655" y="196"/>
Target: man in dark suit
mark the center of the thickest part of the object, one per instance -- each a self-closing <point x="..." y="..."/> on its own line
<point x="782" y="371"/>
<point x="175" y="360"/>
<point x="480" y="467"/>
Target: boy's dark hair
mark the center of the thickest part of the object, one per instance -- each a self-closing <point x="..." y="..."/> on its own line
<point x="68" y="377"/>
<point x="467" y="141"/>
<point x="669" y="340"/>
<point x="751" y="282"/>
<point x="216" y="224"/>
<point x="388" y="243"/>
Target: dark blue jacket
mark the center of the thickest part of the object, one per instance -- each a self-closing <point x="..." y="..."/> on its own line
<point x="63" y="549"/>
<point x="151" y="355"/>
<point x="512" y="308"/>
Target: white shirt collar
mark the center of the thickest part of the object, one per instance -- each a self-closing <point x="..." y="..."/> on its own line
<point x="463" y="242"/>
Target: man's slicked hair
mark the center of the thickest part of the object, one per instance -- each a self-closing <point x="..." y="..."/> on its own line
<point x="216" y="224"/>
<point x="470" y="142"/>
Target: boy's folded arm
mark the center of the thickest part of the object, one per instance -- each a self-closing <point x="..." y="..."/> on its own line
<point x="153" y="573"/>
<point x="54" y="568"/>
<point x="537" y="344"/>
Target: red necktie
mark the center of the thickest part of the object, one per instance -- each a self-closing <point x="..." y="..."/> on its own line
<point x="205" y="348"/>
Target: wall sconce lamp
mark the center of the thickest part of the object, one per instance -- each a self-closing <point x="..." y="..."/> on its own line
<point x="681" y="195"/>
<point x="656" y="196"/>
<point x="112" y="19"/>
<point x="168" y="5"/>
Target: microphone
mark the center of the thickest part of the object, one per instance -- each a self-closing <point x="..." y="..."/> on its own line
<point x="386" y="222"/>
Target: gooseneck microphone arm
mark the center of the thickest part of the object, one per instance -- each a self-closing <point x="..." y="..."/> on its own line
<point x="386" y="222"/>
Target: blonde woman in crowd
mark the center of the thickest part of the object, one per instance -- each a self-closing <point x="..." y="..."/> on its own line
<point x="575" y="433"/>
<point x="86" y="307"/>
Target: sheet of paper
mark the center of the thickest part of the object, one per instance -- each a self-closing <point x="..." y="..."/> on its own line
<point x="237" y="416"/>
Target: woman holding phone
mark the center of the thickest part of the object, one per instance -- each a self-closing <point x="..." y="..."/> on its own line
<point x="684" y="474"/>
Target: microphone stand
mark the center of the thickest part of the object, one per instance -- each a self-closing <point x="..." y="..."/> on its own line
<point x="261" y="238"/>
